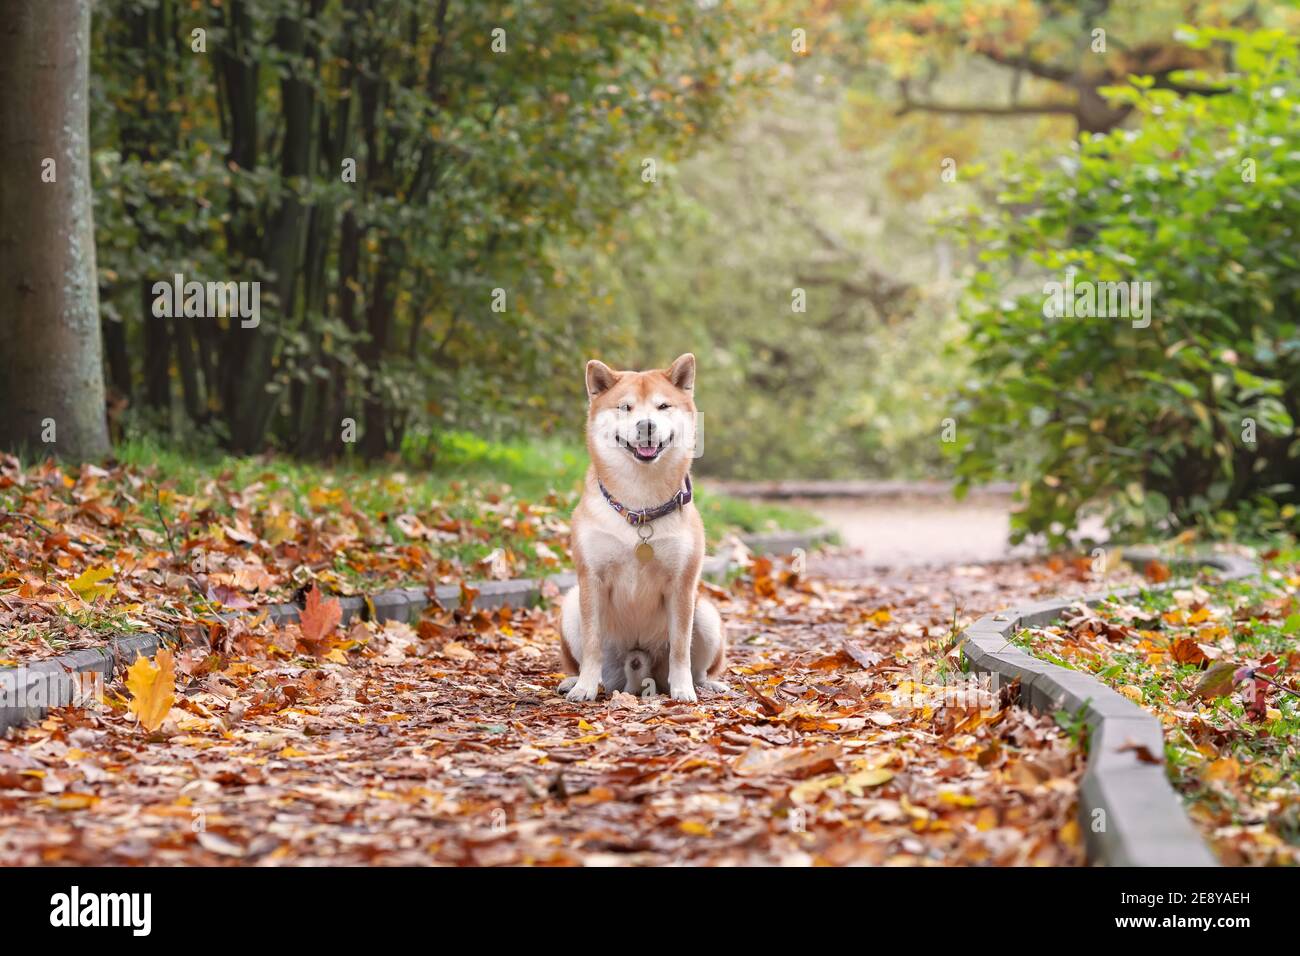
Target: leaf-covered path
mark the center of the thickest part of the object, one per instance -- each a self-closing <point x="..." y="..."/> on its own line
<point x="848" y="737"/>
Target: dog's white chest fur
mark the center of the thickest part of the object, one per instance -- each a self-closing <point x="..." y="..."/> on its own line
<point x="609" y="544"/>
<point x="635" y="592"/>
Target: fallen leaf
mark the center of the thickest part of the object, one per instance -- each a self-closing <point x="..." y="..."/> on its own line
<point x="1217" y="682"/>
<point x="1223" y="770"/>
<point x="74" y="801"/>
<point x="88" y="586"/>
<point x="872" y="777"/>
<point x="866" y="658"/>
<point x="1187" y="651"/>
<point x="1156" y="572"/>
<point x="1142" y="751"/>
<point x="152" y="687"/>
<point x="457" y="651"/>
<point x="319" y="617"/>
<point x="1132" y="692"/>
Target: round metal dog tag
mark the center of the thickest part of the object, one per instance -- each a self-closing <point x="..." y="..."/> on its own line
<point x="645" y="551"/>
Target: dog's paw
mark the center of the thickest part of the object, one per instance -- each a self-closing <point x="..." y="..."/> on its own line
<point x="714" y="686"/>
<point x="580" y="691"/>
<point x="566" y="685"/>
<point x="684" y="692"/>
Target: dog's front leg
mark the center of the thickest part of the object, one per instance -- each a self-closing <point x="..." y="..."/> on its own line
<point x="681" y="624"/>
<point x="590" y="595"/>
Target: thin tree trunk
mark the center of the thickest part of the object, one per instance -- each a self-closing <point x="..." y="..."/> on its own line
<point x="252" y="411"/>
<point x="51" y="353"/>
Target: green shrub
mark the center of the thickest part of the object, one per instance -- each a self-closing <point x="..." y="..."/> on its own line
<point x="1148" y="426"/>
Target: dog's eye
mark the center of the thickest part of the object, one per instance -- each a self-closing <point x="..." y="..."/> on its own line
<point x="664" y="406"/>
<point x="625" y="407"/>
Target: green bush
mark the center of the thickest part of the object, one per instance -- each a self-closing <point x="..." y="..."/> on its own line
<point x="1148" y="426"/>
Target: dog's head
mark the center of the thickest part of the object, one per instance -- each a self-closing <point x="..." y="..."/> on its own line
<point x="642" y="419"/>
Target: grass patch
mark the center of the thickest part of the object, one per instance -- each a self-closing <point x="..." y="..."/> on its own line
<point x="482" y="509"/>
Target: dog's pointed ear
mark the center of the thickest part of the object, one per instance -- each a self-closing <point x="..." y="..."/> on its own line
<point x="682" y="372"/>
<point x="599" y="377"/>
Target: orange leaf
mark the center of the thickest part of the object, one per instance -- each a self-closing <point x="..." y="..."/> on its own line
<point x="1187" y="651"/>
<point x="1223" y="770"/>
<point x="319" y="617"/>
<point x="1156" y="572"/>
<point x="153" y="689"/>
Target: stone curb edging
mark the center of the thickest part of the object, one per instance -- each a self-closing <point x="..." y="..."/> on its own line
<point x="1142" y="819"/>
<point x="857" y="489"/>
<point x="786" y="542"/>
<point x="28" y="692"/>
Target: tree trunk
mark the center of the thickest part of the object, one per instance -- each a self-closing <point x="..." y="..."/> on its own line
<point x="51" y="353"/>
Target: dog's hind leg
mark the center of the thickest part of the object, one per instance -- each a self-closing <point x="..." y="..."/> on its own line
<point x="613" y="671"/>
<point x="570" y="639"/>
<point x="708" y="647"/>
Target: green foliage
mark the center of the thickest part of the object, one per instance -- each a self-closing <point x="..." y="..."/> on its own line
<point x="475" y="165"/>
<point x="1147" y="425"/>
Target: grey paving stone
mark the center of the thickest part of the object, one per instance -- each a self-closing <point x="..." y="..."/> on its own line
<point x="1120" y="743"/>
<point x="1141" y="820"/>
<point x="1064" y="690"/>
<point x="282" y="614"/>
<point x="564" y="580"/>
<point x="351" y="608"/>
<point x="127" y="647"/>
<point x="715" y="568"/>
<point x="786" y="542"/>
<point x="26" y="693"/>
<point x="978" y="658"/>
<point x="994" y="642"/>
<point x="1014" y="663"/>
<point x="391" y="606"/>
<point x="1043" y="613"/>
<point x="516" y="593"/>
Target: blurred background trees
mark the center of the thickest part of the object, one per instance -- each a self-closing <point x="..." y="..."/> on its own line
<point x="382" y="166"/>
<point x="811" y="195"/>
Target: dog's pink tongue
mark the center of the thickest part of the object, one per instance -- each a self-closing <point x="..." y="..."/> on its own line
<point x="646" y="451"/>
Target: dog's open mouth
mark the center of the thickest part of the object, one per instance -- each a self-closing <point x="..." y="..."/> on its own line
<point x="645" y="450"/>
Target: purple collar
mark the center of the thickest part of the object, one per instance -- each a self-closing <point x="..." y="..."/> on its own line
<point x="646" y="515"/>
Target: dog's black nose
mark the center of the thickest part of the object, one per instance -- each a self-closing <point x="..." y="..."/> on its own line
<point x="645" y="430"/>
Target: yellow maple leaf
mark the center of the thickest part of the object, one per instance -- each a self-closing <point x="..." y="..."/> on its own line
<point x="1223" y="770"/>
<point x="872" y="777"/>
<point x="73" y="801"/>
<point x="811" y="789"/>
<point x="152" y="688"/>
<point x="88" y="586"/>
<point x="278" y="528"/>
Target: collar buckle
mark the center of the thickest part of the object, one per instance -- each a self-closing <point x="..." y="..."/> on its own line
<point x="643" y="517"/>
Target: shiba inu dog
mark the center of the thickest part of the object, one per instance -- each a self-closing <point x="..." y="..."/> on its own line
<point x="638" y="544"/>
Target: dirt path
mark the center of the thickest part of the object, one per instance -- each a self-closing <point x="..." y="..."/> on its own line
<point x="916" y="531"/>
<point x="841" y="742"/>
